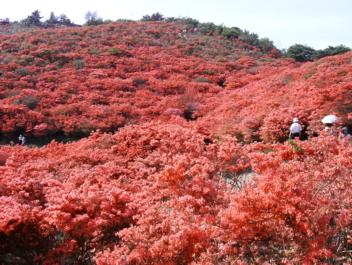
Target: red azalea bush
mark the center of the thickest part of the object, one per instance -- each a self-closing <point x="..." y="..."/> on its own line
<point x="158" y="193"/>
<point x="298" y="209"/>
<point x="197" y="170"/>
<point x="127" y="73"/>
<point x="81" y="195"/>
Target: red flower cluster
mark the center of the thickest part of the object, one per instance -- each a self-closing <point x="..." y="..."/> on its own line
<point x="157" y="193"/>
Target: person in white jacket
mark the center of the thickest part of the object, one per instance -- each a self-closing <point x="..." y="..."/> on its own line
<point x="295" y="129"/>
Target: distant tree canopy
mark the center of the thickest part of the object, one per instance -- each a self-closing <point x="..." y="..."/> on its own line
<point x="92" y="19"/>
<point x="304" y="53"/>
<point x="264" y="44"/>
<point x="301" y="53"/>
<point x="55" y="21"/>
<point x="231" y="32"/>
<point x="332" y="50"/>
<point x="33" y="20"/>
<point x="4" y="20"/>
<point x="154" y="17"/>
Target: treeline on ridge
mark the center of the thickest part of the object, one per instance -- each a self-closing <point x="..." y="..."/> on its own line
<point x="299" y="52"/>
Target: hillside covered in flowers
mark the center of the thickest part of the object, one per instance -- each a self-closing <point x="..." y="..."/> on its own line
<point x="184" y="157"/>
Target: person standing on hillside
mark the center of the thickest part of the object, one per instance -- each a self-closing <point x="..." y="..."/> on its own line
<point x="22" y="139"/>
<point x="329" y="129"/>
<point x="345" y="134"/>
<point x="295" y="129"/>
<point x="330" y="122"/>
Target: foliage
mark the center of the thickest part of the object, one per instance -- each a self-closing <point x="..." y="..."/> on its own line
<point x="28" y="100"/>
<point x="331" y="50"/>
<point x="231" y="33"/>
<point x="154" y="193"/>
<point x="250" y="38"/>
<point x="209" y="28"/>
<point x="79" y="63"/>
<point x="189" y="162"/>
<point x="107" y="80"/>
<point x="56" y="21"/>
<point x="154" y="17"/>
<point x="92" y="19"/>
<point x="22" y="71"/>
<point x="4" y="20"/>
<point x="265" y="45"/>
<point x="301" y="53"/>
<point x="33" y="20"/>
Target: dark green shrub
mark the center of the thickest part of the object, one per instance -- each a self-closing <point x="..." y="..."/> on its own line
<point x="61" y="61"/>
<point x="52" y="21"/>
<point x="209" y="72"/>
<point x="191" y="22"/>
<point x="114" y="51"/>
<point x="208" y="28"/>
<point x="22" y="71"/>
<point x="187" y="20"/>
<point x="296" y="148"/>
<point x="331" y="50"/>
<point x="33" y="19"/>
<point x="154" y="17"/>
<point x="93" y="51"/>
<point x="239" y="136"/>
<point x="249" y="38"/>
<point x="79" y="63"/>
<point x="202" y="80"/>
<point x="137" y="81"/>
<point x="109" y="21"/>
<point x="117" y="52"/>
<point x="231" y="33"/>
<point x="265" y="45"/>
<point x="6" y="60"/>
<point x="301" y="53"/>
<point x="92" y="19"/>
<point x="55" y="21"/>
<point x="124" y="20"/>
<point x="4" y="21"/>
<point x="29" y="101"/>
<point x="26" y="60"/>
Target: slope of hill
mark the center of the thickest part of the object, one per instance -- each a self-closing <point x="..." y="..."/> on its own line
<point x="263" y="110"/>
<point x="77" y="80"/>
<point x="192" y="115"/>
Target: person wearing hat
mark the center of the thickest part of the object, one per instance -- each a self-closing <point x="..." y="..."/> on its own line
<point x="329" y="122"/>
<point x="345" y="134"/>
<point x="295" y="129"/>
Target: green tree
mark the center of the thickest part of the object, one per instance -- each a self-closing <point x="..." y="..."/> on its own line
<point x="55" y="21"/>
<point x="231" y="33"/>
<point x="249" y="38"/>
<point x="154" y="17"/>
<point x="332" y="50"/>
<point x="208" y="28"/>
<point x="52" y="21"/>
<point x="92" y="19"/>
<point x="4" y="21"/>
<point x="301" y="53"/>
<point x="265" y="45"/>
<point x="65" y="21"/>
<point x="33" y="20"/>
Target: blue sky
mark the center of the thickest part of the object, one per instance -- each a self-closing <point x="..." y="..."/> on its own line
<point x="317" y="23"/>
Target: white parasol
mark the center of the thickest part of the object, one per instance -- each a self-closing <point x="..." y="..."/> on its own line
<point x="329" y="119"/>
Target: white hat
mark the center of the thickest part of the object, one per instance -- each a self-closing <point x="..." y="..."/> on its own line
<point x="330" y="119"/>
<point x="295" y="119"/>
